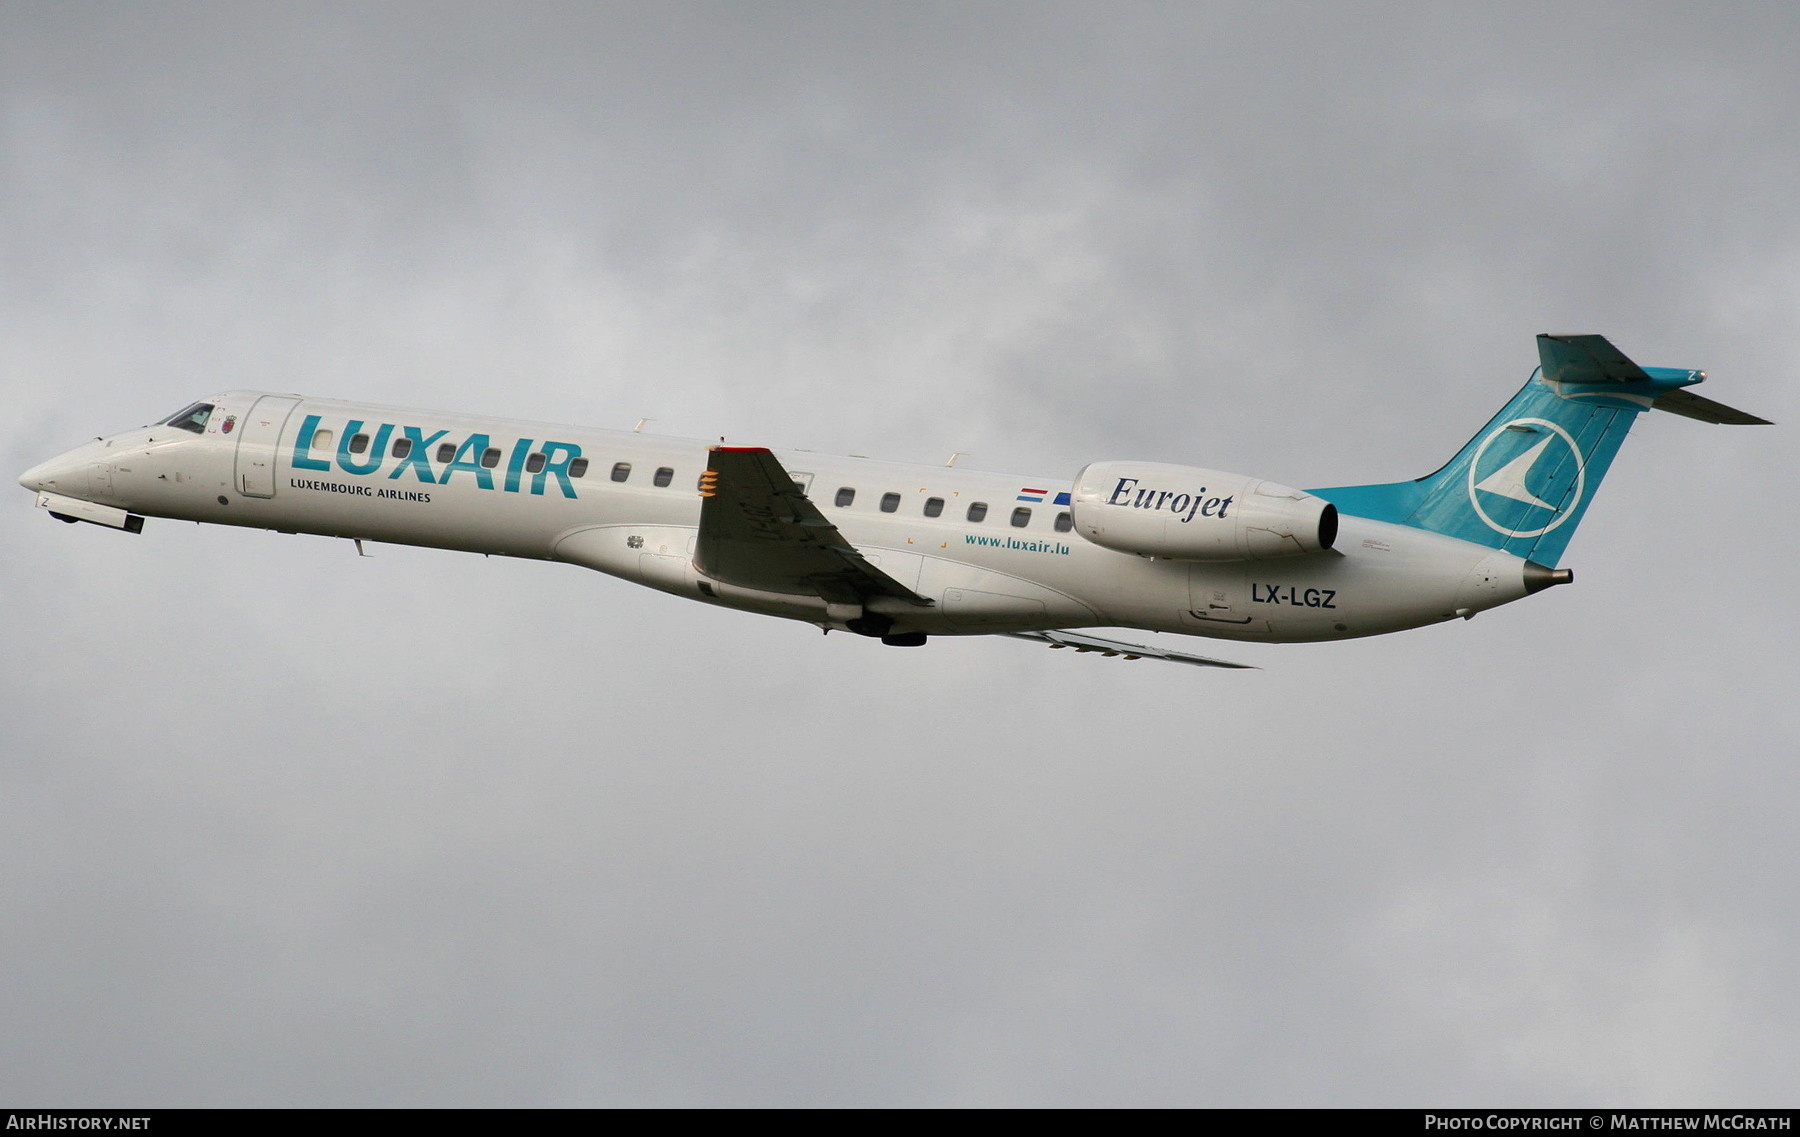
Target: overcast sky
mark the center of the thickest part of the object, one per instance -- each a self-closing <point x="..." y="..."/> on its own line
<point x="279" y="826"/>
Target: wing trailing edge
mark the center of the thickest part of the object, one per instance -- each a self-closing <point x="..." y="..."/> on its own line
<point x="1118" y="648"/>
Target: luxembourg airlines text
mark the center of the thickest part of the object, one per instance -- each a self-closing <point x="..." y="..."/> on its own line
<point x="357" y="490"/>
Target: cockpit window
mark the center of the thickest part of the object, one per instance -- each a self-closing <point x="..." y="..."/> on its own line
<point x="191" y="418"/>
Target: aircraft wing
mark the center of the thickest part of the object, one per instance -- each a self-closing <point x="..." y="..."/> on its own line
<point x="759" y="530"/>
<point x="1129" y="651"/>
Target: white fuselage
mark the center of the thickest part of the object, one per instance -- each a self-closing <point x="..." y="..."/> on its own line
<point x="593" y="498"/>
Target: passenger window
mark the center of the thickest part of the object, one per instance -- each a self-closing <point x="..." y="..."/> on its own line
<point x="490" y="458"/>
<point x="322" y="440"/>
<point x="978" y="511"/>
<point x="621" y="471"/>
<point x="1063" y="523"/>
<point x="578" y="467"/>
<point x="664" y="475"/>
<point x="890" y="502"/>
<point x="359" y="443"/>
<point x="535" y="463"/>
<point x="934" y="506"/>
<point x="447" y="452"/>
<point x="845" y="495"/>
<point x="402" y="447"/>
<point x="1021" y="517"/>
<point x="191" y="418"/>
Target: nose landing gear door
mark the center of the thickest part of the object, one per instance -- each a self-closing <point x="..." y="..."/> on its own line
<point x="258" y="444"/>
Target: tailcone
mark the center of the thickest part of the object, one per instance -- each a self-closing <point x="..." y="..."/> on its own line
<point x="1538" y="577"/>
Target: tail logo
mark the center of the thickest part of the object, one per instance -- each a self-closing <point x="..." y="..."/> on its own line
<point x="1510" y="473"/>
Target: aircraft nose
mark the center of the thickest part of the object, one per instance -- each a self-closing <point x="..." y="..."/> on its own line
<point x="65" y="474"/>
<point x="38" y="478"/>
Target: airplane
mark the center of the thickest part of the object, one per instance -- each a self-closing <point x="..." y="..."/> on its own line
<point x="901" y="553"/>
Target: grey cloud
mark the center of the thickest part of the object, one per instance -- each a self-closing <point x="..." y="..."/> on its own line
<point x="286" y="827"/>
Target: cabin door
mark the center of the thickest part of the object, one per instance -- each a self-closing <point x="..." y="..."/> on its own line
<point x="258" y="444"/>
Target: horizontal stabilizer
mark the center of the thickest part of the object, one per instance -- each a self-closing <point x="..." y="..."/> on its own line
<point x="1586" y="359"/>
<point x="1689" y="405"/>
<point x="1129" y="651"/>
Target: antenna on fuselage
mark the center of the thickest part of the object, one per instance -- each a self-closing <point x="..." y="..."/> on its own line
<point x="639" y="428"/>
<point x="954" y="457"/>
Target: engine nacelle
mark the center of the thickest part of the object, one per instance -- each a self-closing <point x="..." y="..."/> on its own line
<point x="1157" y="509"/>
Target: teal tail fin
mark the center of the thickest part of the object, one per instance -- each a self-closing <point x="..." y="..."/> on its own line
<point x="1523" y="483"/>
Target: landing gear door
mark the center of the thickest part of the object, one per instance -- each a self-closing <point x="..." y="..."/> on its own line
<point x="258" y="444"/>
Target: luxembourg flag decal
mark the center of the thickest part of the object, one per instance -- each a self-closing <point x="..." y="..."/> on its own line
<point x="1032" y="495"/>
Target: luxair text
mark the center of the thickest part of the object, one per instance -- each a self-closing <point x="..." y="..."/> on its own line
<point x="415" y="455"/>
